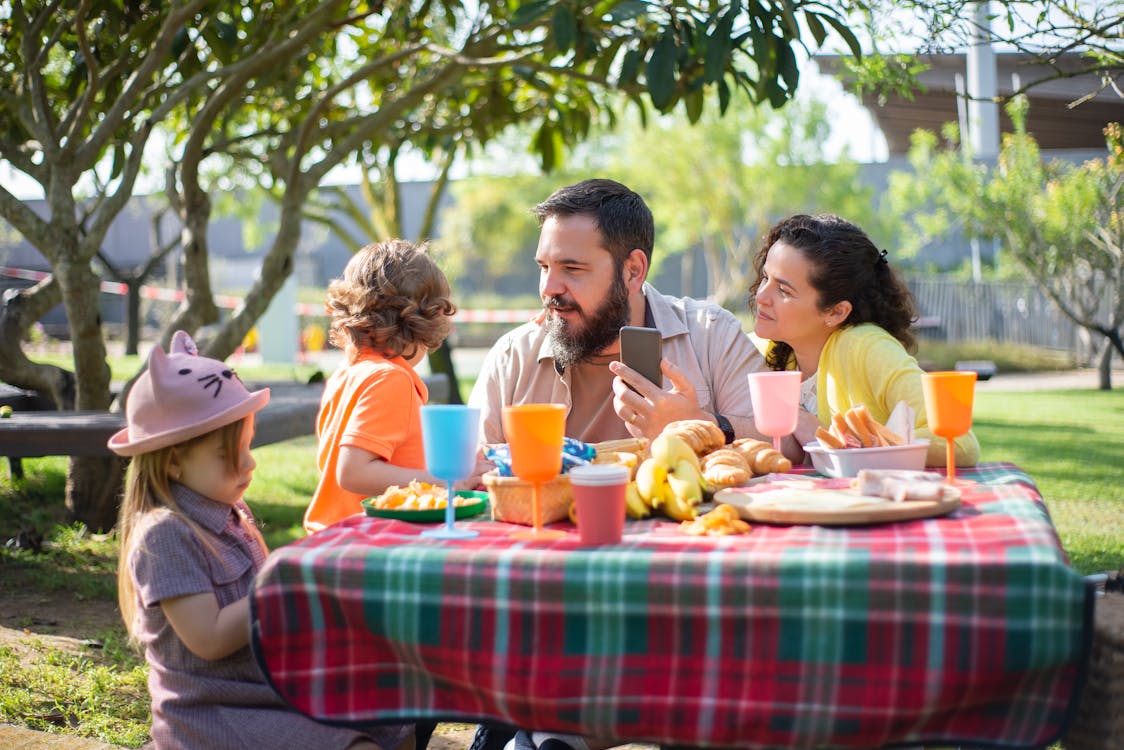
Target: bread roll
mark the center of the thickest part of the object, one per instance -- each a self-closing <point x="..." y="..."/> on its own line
<point x="702" y="435"/>
<point x="761" y="457"/>
<point x="725" y="467"/>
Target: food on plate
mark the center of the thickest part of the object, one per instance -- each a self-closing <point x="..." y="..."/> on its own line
<point x="721" y="521"/>
<point x="417" y="496"/>
<point x="828" y="440"/>
<point x="761" y="456"/>
<point x="702" y="435"/>
<point x="855" y="428"/>
<point x="818" y="500"/>
<point x="725" y="467"/>
<point x="900" y="485"/>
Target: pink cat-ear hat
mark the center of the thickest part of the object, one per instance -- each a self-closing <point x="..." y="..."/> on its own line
<point x="180" y="396"/>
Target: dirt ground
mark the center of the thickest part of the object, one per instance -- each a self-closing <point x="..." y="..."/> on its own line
<point x="58" y="618"/>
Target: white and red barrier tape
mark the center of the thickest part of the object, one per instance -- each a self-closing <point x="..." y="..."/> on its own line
<point x="302" y="308"/>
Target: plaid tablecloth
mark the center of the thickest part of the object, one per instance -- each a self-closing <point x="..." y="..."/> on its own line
<point x="971" y="628"/>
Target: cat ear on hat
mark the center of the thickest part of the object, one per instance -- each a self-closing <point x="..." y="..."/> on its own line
<point x="182" y="343"/>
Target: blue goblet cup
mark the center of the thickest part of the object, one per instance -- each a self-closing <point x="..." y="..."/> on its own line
<point x="449" y="436"/>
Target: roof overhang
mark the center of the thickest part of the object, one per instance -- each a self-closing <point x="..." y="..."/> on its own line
<point x="1055" y="119"/>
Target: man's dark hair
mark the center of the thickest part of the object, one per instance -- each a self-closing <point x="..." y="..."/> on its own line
<point x="622" y="216"/>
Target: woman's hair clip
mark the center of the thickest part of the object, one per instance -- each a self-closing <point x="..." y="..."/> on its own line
<point x="882" y="258"/>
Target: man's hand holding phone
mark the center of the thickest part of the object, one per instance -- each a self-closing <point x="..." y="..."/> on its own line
<point x="642" y="403"/>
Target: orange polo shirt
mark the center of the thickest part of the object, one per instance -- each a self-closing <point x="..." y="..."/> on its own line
<point x="373" y="404"/>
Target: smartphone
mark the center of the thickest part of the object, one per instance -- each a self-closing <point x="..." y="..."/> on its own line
<point x="641" y="350"/>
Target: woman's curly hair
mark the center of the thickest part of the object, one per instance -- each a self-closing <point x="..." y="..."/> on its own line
<point x="392" y="299"/>
<point x="846" y="265"/>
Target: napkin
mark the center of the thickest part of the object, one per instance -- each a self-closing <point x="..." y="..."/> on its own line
<point x="574" y="453"/>
<point x="901" y="421"/>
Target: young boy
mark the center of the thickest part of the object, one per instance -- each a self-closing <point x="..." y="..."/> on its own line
<point x="390" y="309"/>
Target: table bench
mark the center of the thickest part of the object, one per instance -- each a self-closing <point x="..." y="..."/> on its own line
<point x="291" y="412"/>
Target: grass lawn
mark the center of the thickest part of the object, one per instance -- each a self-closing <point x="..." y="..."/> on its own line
<point x="1069" y="441"/>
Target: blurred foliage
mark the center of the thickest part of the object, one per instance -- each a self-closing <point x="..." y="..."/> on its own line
<point x="716" y="185"/>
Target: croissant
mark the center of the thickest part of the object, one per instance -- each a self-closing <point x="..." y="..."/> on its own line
<point x="703" y="436"/>
<point x="761" y="457"/>
<point x="725" y="467"/>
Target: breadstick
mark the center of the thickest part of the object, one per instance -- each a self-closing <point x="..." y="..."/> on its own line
<point x="863" y="415"/>
<point x="889" y="437"/>
<point x="828" y="440"/>
<point x="855" y="423"/>
<point x="840" y="430"/>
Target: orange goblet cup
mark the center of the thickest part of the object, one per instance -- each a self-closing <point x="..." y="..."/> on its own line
<point x="534" y="434"/>
<point x="948" y="408"/>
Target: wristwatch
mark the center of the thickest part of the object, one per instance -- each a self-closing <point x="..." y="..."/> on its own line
<point x="726" y="427"/>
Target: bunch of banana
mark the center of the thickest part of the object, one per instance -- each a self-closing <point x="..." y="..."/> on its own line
<point x="635" y="505"/>
<point x="670" y="480"/>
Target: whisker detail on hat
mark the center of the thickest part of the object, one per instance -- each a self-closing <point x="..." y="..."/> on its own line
<point x="209" y="380"/>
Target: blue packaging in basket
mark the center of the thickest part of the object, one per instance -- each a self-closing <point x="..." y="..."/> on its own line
<point x="574" y="453"/>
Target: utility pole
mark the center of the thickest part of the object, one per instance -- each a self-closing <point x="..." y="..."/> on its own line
<point x="982" y="107"/>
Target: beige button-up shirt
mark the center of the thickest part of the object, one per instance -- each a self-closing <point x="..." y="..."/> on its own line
<point x="704" y="340"/>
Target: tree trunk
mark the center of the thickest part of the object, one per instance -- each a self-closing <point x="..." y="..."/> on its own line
<point x="93" y="490"/>
<point x="441" y="361"/>
<point x="1105" y="367"/>
<point x="93" y="485"/>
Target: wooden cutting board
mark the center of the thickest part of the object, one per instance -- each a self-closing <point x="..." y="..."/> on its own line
<point x="829" y="507"/>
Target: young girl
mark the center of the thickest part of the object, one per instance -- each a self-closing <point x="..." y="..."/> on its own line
<point x="828" y="304"/>
<point x="390" y="309"/>
<point x="189" y="554"/>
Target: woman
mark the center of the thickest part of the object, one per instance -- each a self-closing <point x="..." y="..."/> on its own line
<point x="829" y="305"/>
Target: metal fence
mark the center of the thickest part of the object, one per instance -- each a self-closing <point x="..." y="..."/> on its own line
<point x="1008" y="312"/>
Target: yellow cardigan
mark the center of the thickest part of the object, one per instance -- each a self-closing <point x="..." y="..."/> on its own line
<point x="864" y="364"/>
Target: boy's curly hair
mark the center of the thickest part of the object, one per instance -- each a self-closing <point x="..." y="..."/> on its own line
<point x="392" y="299"/>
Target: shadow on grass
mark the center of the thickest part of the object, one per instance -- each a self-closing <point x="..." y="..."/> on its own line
<point x="1047" y="452"/>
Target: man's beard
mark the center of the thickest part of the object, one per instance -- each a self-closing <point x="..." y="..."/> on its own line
<point x="573" y="344"/>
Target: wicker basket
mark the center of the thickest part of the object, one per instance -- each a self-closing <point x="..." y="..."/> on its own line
<point x="1099" y="722"/>
<point x="511" y="498"/>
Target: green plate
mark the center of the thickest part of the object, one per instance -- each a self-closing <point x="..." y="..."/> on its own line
<point x="436" y="515"/>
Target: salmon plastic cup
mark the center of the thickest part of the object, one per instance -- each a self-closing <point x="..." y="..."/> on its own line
<point x="599" y="502"/>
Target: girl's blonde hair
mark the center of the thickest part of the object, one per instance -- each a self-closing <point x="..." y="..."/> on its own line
<point x="392" y="299"/>
<point x="147" y="489"/>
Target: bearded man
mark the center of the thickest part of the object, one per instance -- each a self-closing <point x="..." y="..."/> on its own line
<point x="594" y="253"/>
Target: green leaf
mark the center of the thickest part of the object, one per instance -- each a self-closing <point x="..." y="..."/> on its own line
<point x="693" y="103"/>
<point x="723" y="96"/>
<point x="661" y="72"/>
<point x="565" y="28"/>
<point x="543" y="145"/>
<point x="848" y="36"/>
<point x="819" y="33"/>
<point x="528" y="12"/>
<point x="718" y="46"/>
<point x="778" y="97"/>
<point x="786" y="65"/>
<point x="179" y="42"/>
<point x="630" y="67"/>
<point x="790" y="23"/>
<point x="606" y="58"/>
<point x="628" y="10"/>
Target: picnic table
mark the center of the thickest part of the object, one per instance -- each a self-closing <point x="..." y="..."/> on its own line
<point x="971" y="628"/>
